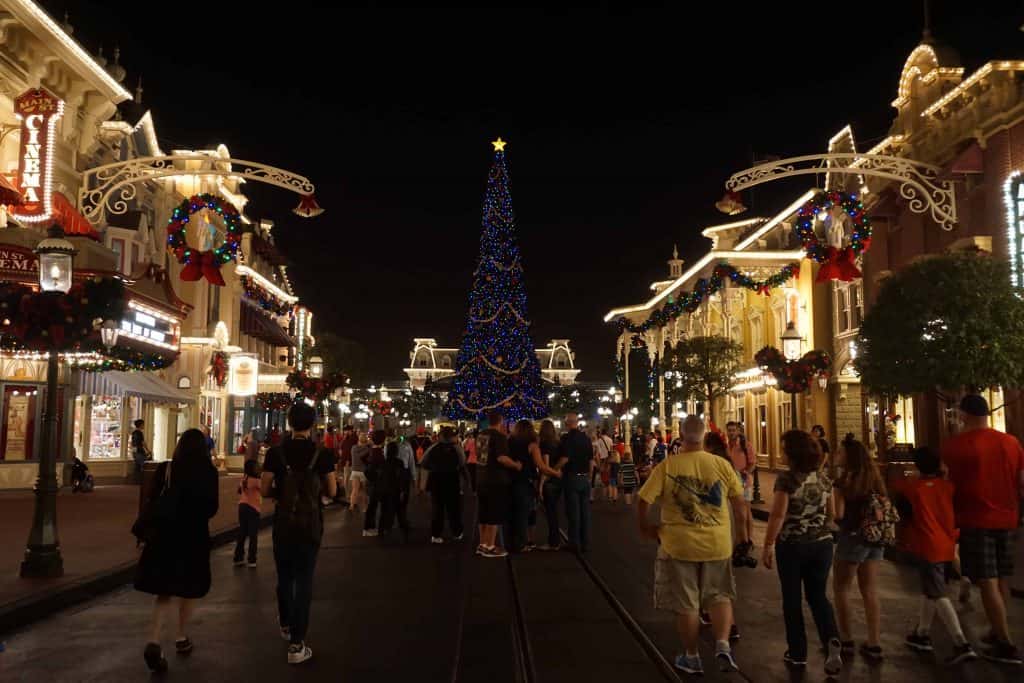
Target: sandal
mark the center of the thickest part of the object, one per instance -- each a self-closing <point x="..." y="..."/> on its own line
<point x="183" y="646"/>
<point x="154" y="658"/>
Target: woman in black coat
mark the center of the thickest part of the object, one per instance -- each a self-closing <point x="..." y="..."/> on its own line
<point x="175" y="562"/>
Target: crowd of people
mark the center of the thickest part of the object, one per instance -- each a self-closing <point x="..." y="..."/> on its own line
<point x="829" y="516"/>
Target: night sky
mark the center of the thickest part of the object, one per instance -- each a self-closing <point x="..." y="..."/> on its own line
<point x="623" y="123"/>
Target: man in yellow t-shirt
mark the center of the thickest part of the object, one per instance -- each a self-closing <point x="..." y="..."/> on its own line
<point x="693" y="570"/>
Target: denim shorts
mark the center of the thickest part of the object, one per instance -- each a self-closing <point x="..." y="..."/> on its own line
<point x="852" y="549"/>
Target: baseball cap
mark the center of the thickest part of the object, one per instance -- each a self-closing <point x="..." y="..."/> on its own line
<point x="975" y="405"/>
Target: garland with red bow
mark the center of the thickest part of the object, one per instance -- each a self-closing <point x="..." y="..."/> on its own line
<point x="200" y="264"/>
<point x="315" y="388"/>
<point x="274" y="400"/>
<point x="41" y="321"/>
<point x="263" y="298"/>
<point x="219" y="368"/>
<point x="836" y="264"/>
<point x="793" y="376"/>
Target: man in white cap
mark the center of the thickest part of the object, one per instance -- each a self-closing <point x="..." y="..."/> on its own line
<point x="693" y="570"/>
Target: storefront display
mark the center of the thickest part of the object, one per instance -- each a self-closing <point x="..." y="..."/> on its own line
<point x="105" y="428"/>
<point x="20" y="404"/>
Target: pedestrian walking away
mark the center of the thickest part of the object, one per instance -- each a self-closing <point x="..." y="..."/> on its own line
<point x="926" y="506"/>
<point x="445" y="464"/>
<point x="392" y="489"/>
<point x="578" y="453"/>
<point x="296" y="474"/>
<point x="373" y="461"/>
<point x="628" y="479"/>
<point x="250" y="501"/>
<point x="174" y="532"/>
<point x="525" y="449"/>
<point x="801" y="514"/>
<point x="986" y="468"/>
<point x="495" y="483"/>
<point x="357" y="477"/>
<point x="859" y="490"/>
<point x="551" y="486"/>
<point x="693" y="569"/>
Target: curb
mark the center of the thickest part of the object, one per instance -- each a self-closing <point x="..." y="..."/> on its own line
<point x="18" y="614"/>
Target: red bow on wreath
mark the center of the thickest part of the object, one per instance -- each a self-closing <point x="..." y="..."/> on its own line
<point x="203" y="264"/>
<point x="839" y="264"/>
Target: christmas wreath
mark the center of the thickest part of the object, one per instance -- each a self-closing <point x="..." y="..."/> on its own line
<point x="832" y="210"/>
<point x="315" y="388"/>
<point x="43" y="321"/>
<point x="219" y="368"/>
<point x="793" y="376"/>
<point x="381" y="407"/>
<point x="274" y="400"/>
<point x="199" y="264"/>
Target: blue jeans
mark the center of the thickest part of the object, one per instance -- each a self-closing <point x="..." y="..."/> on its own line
<point x="295" y="564"/>
<point x="577" y="509"/>
<point x="552" y="491"/>
<point x="807" y="564"/>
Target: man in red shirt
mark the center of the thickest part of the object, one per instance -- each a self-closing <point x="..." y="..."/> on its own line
<point x="987" y="468"/>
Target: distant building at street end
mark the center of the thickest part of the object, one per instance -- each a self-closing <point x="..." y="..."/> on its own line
<point x="428" y="362"/>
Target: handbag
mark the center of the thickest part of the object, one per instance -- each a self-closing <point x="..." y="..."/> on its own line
<point x="159" y="510"/>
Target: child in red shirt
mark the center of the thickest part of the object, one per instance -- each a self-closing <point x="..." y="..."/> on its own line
<point x="927" y="504"/>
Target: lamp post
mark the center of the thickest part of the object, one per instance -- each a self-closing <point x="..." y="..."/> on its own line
<point x="791" y="347"/>
<point x="42" y="552"/>
<point x="316" y="366"/>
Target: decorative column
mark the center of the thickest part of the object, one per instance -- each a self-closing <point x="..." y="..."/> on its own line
<point x="661" y="383"/>
<point x="623" y="344"/>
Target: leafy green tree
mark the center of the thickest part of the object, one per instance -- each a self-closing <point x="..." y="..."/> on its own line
<point x="706" y="367"/>
<point x="945" y="323"/>
<point x="340" y="354"/>
<point x="417" y="406"/>
<point x="573" y="398"/>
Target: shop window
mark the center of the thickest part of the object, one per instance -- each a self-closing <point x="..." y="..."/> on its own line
<point x="762" y="425"/>
<point x="741" y="416"/>
<point x="857" y="303"/>
<point x="105" y="428"/>
<point x="20" y="423"/>
<point x="899" y="421"/>
<point x="117" y="246"/>
<point x="996" y="402"/>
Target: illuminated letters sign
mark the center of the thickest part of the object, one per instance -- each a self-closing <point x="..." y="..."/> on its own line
<point x="245" y="373"/>
<point x="150" y="326"/>
<point x="18" y="263"/>
<point x="38" y="111"/>
<point x="1013" y="194"/>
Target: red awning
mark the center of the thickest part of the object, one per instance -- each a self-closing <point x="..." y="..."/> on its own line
<point x="256" y="323"/>
<point x="67" y="216"/>
<point x="9" y="193"/>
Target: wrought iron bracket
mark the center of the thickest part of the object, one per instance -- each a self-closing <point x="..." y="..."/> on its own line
<point x="112" y="186"/>
<point x="920" y="183"/>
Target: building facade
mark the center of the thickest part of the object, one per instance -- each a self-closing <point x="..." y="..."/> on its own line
<point x="428" y="362"/>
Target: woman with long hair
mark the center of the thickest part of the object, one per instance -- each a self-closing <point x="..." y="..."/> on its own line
<point x="859" y="481"/>
<point x="802" y="509"/>
<point x="523" y="447"/>
<point x="175" y="561"/>
<point x="551" y="487"/>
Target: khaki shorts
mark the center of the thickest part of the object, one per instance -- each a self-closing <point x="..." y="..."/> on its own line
<point x="681" y="586"/>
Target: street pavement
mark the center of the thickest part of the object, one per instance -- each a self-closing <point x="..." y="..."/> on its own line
<point x="384" y="611"/>
<point x="94" y="531"/>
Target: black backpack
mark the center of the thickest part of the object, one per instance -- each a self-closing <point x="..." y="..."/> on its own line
<point x="298" y="517"/>
<point x="444" y="459"/>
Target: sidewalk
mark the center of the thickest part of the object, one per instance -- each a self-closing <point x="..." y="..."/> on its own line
<point x="95" y="537"/>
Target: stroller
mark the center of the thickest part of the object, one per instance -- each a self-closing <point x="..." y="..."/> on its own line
<point x="81" y="480"/>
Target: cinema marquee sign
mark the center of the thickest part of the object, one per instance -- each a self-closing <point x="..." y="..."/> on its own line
<point x="17" y="263"/>
<point x="39" y="111"/>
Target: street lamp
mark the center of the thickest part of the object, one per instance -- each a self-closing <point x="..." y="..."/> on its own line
<point x="108" y="334"/>
<point x="791" y="347"/>
<point x="316" y="366"/>
<point x="42" y="552"/>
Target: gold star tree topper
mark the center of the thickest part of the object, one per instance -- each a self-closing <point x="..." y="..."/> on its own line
<point x="499" y="145"/>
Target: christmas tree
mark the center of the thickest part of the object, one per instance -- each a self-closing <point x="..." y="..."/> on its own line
<point x="497" y="366"/>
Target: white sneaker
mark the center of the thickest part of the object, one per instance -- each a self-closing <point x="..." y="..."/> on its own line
<point x="369" y="532"/>
<point x="297" y="654"/>
<point x="458" y="538"/>
<point x="436" y="539"/>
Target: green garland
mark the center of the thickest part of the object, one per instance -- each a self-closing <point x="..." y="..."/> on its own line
<point x="688" y="302"/>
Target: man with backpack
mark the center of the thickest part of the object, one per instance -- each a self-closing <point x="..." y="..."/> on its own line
<point x="445" y="461"/>
<point x="296" y="474"/>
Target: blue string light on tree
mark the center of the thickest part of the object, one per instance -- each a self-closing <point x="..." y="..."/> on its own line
<point x="497" y="367"/>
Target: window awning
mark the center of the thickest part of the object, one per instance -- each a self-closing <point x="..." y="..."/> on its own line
<point x="258" y="324"/>
<point x="142" y="384"/>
